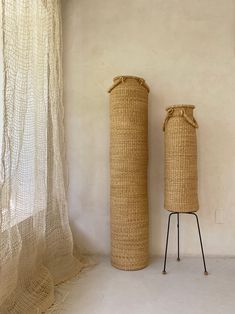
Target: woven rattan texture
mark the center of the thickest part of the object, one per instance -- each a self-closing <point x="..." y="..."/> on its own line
<point x="180" y="160"/>
<point x="128" y="171"/>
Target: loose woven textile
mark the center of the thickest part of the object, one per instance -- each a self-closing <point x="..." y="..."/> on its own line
<point x="128" y="172"/>
<point x="180" y="159"/>
<point x="36" y="247"/>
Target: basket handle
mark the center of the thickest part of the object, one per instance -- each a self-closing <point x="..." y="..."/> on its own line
<point x="193" y="122"/>
<point x="122" y="79"/>
<point x="170" y="112"/>
<point x="119" y="81"/>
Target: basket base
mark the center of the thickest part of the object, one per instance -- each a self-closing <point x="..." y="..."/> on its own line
<point x="126" y="268"/>
<point x="182" y="211"/>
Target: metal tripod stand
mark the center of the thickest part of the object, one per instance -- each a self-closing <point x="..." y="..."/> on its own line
<point x="178" y="241"/>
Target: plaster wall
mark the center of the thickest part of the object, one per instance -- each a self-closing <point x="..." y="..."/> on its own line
<point x="185" y="50"/>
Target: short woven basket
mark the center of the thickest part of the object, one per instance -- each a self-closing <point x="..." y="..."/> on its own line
<point x="180" y="159"/>
<point x="128" y="172"/>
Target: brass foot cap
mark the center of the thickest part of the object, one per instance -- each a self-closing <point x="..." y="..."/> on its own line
<point x="164" y="272"/>
<point x="206" y="273"/>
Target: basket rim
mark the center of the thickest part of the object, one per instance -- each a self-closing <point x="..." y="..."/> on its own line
<point x="180" y="106"/>
<point x="128" y="77"/>
<point x="121" y="78"/>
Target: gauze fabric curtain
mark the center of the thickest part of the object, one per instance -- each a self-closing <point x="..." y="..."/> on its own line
<point x="36" y="247"/>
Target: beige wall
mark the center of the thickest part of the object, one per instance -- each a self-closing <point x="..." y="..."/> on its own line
<point x="185" y="49"/>
<point x="1" y="86"/>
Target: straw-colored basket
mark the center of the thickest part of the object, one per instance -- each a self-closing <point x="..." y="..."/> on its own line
<point x="128" y="172"/>
<point x="180" y="159"/>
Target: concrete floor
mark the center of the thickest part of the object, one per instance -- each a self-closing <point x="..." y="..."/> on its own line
<point x="184" y="290"/>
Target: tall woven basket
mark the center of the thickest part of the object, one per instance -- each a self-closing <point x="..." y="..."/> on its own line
<point x="180" y="159"/>
<point x="128" y="172"/>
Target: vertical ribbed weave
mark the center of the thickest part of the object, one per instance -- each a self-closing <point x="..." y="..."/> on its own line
<point x="128" y="172"/>
<point x="180" y="159"/>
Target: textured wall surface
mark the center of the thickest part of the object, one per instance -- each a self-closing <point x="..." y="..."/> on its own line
<point x="185" y="50"/>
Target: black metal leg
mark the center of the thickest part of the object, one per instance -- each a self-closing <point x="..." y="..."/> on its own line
<point x="167" y="238"/>
<point x="178" y="236"/>
<point x="200" y="237"/>
<point x="178" y="241"/>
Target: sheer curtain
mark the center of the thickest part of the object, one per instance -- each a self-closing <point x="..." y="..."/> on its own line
<point x="36" y="247"/>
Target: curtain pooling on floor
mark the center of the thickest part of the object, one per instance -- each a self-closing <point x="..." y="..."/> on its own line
<point x="36" y="246"/>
